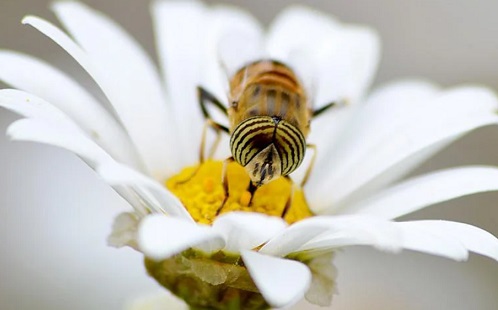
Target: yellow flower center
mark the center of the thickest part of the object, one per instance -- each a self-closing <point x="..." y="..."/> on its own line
<point x="201" y="191"/>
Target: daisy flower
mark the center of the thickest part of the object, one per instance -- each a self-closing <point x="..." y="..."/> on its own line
<point x="239" y="251"/>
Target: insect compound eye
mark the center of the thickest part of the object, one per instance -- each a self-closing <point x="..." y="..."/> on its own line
<point x="255" y="134"/>
<point x="250" y="137"/>
<point x="291" y="145"/>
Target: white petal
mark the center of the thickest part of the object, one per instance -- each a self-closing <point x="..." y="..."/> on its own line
<point x="292" y="238"/>
<point x="196" y="55"/>
<point x="143" y="130"/>
<point x="48" y="125"/>
<point x="323" y="232"/>
<point x="296" y="36"/>
<point x="34" y="76"/>
<point x="58" y="134"/>
<point x="382" y="235"/>
<point x="282" y="282"/>
<point x="157" y="301"/>
<point x="326" y="131"/>
<point x="362" y="47"/>
<point x="180" y="56"/>
<point x="472" y="238"/>
<point x="395" y="102"/>
<point x="344" y="58"/>
<point x="386" y="109"/>
<point x="31" y="106"/>
<point x="129" y="79"/>
<point x="63" y="40"/>
<point x="122" y="178"/>
<point x="449" y="115"/>
<point x="396" y="172"/>
<point x="418" y="238"/>
<point x="419" y="192"/>
<point x="157" y="195"/>
<point x="448" y="239"/>
<point x="323" y="284"/>
<point x="233" y="39"/>
<point x="160" y="236"/>
<point x="388" y="103"/>
<point x="244" y="230"/>
<point x="346" y="67"/>
<point x="124" y="231"/>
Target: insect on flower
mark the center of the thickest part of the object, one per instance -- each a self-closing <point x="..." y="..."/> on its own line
<point x="269" y="119"/>
<point x="251" y="248"/>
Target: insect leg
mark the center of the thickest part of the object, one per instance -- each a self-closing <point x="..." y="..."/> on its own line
<point x="319" y="111"/>
<point x="311" y="164"/>
<point x="224" y="181"/>
<point x="251" y="188"/>
<point x="208" y="123"/>
<point x="288" y="203"/>
<point x="218" y="129"/>
<point x="205" y="97"/>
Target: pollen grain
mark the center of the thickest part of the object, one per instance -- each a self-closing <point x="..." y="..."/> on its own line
<point x="201" y="191"/>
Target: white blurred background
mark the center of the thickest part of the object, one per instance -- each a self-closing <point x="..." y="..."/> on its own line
<point x="55" y="214"/>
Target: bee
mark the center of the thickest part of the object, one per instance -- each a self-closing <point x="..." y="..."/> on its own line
<point x="269" y="117"/>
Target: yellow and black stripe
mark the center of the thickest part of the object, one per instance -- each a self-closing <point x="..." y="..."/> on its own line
<point x="291" y="146"/>
<point x="256" y="133"/>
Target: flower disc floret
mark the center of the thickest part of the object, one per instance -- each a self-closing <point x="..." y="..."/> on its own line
<point x="201" y="191"/>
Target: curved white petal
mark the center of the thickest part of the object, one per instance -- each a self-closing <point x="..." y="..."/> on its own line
<point x="394" y="173"/>
<point x="362" y="47"/>
<point x="198" y="54"/>
<point x="178" y="26"/>
<point x="342" y="58"/>
<point x="157" y="195"/>
<point x="449" y="115"/>
<point x="387" y="103"/>
<point x="472" y="238"/>
<point x="381" y="235"/>
<point x="129" y="79"/>
<point x="245" y="231"/>
<point x="63" y="40"/>
<point x="326" y="130"/>
<point x="417" y="239"/>
<point x="282" y="282"/>
<point x="329" y="232"/>
<point x="69" y="137"/>
<point x="323" y="284"/>
<point x="160" y="236"/>
<point x="31" y="106"/>
<point x="233" y="39"/>
<point x="58" y="134"/>
<point x="124" y="231"/>
<point x="134" y="130"/>
<point x="156" y="301"/>
<point x="296" y="35"/>
<point x="385" y="109"/>
<point x="448" y="239"/>
<point x="419" y="192"/>
<point x="292" y="238"/>
<point x="46" y="124"/>
<point x="34" y="76"/>
<point x="389" y="107"/>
